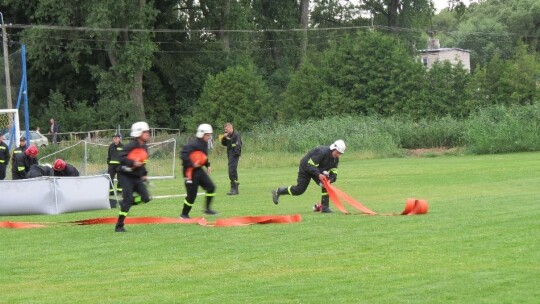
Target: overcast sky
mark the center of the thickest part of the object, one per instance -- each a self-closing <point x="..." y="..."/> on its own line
<point x="440" y="4"/>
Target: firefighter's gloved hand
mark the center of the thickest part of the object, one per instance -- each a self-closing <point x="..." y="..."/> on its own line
<point x="332" y="178"/>
<point x="326" y="173"/>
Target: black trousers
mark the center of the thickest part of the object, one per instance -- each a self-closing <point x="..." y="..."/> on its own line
<point x="302" y="183"/>
<point x="3" y="168"/>
<point x="131" y="184"/>
<point x="112" y="172"/>
<point x="200" y="178"/>
<point x="233" y="167"/>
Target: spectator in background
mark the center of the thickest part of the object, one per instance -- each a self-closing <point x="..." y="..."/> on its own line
<point x="4" y="157"/>
<point x="22" y="146"/>
<point x="61" y="168"/>
<point x="231" y="139"/>
<point x="54" y="130"/>
<point x="113" y="162"/>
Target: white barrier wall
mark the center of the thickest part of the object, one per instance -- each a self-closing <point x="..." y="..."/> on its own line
<point x="54" y="195"/>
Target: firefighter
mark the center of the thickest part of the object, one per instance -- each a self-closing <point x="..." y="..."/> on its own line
<point x="132" y="172"/>
<point x="113" y="162"/>
<point x="317" y="164"/>
<point x="40" y="170"/>
<point x="4" y="157"/>
<point x="61" y="168"/>
<point x="232" y="140"/>
<point x="22" y="161"/>
<point x="200" y="176"/>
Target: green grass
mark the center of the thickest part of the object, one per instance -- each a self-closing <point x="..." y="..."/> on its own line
<point x="479" y="243"/>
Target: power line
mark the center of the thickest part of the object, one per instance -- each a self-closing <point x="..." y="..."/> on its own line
<point x="118" y="30"/>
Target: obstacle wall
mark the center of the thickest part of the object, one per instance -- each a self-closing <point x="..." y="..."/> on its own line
<point x="54" y="195"/>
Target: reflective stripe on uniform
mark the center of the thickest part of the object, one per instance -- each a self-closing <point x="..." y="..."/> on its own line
<point x="114" y="162"/>
<point x="311" y="162"/>
<point x="20" y="168"/>
<point x="122" y="213"/>
<point x="333" y="170"/>
<point x="187" y="203"/>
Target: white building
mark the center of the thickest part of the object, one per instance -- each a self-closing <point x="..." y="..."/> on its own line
<point x="435" y="53"/>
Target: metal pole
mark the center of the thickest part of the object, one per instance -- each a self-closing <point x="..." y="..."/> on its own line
<point x="6" y="63"/>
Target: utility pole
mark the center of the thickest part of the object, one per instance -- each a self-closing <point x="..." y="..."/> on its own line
<point x="6" y="63"/>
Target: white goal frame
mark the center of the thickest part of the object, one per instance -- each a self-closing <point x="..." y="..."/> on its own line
<point x="15" y="123"/>
<point x="82" y="163"/>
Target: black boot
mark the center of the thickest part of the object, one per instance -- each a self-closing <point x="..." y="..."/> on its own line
<point x="279" y="191"/>
<point x="234" y="188"/>
<point x="209" y="210"/>
<point x="119" y="227"/>
<point x="185" y="211"/>
<point x="325" y="203"/>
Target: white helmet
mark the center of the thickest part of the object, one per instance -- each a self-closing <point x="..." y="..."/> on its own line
<point x="338" y="145"/>
<point x="138" y="128"/>
<point x="204" y="129"/>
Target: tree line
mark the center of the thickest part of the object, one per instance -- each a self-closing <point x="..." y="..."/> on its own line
<point x="176" y="63"/>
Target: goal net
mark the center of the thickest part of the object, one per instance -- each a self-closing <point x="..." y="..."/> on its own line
<point x="91" y="158"/>
<point x="9" y="124"/>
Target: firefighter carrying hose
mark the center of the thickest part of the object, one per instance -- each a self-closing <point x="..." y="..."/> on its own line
<point x="132" y="172"/>
<point x="200" y="176"/>
<point x="318" y="164"/>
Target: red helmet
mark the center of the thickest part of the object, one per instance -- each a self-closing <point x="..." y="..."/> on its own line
<point x="59" y="165"/>
<point x="32" y="151"/>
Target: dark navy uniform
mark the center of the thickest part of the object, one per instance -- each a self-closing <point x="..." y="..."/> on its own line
<point x="199" y="178"/>
<point x="4" y="159"/>
<point x="21" y="164"/>
<point x="70" y="170"/>
<point x="131" y="178"/>
<point x="234" y="150"/>
<point x="113" y="163"/>
<point x="39" y="171"/>
<point x="315" y="162"/>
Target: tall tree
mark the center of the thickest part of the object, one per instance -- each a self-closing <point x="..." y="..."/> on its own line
<point x="368" y="73"/>
<point x="128" y="53"/>
<point x="401" y="13"/>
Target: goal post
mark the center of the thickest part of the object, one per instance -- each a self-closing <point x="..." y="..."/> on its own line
<point x="9" y="123"/>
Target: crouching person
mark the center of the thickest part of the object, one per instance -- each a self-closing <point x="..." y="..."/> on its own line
<point x="318" y="164"/>
<point x="132" y="172"/>
<point x="39" y="171"/>
<point x="22" y="161"/>
<point x="62" y="168"/>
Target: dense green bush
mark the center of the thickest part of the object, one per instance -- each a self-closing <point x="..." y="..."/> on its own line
<point x="503" y="129"/>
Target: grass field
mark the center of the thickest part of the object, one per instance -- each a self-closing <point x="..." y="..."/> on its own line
<point x="479" y="243"/>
